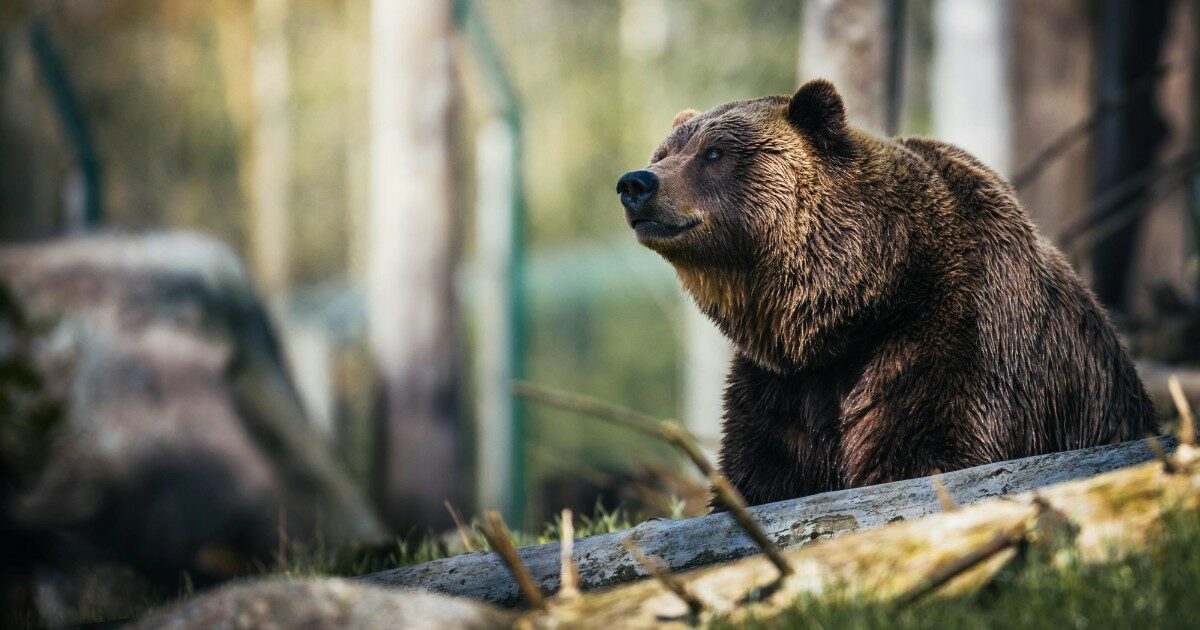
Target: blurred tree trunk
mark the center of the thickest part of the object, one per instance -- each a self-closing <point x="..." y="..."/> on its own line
<point x="34" y="155"/>
<point x="1129" y="141"/>
<point x="846" y="41"/>
<point x="971" y="96"/>
<point x="1160" y="272"/>
<point x="413" y="246"/>
<point x="1053" y="88"/>
<point x="270" y="157"/>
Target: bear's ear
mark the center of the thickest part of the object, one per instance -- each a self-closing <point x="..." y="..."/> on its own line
<point x="683" y="117"/>
<point x="818" y="112"/>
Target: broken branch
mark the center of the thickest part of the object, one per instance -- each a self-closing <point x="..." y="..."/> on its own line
<point x="569" y="580"/>
<point x="663" y="574"/>
<point x="500" y="541"/>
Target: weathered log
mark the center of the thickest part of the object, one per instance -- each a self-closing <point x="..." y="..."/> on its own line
<point x="688" y="544"/>
<point x="1104" y="518"/>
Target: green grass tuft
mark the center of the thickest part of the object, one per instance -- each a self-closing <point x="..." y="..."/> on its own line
<point x="317" y="560"/>
<point x="1157" y="589"/>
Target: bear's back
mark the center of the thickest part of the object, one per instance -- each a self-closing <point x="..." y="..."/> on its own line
<point x="1051" y="367"/>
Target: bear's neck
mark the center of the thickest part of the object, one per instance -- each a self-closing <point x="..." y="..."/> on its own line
<point x="763" y="317"/>
<point x="778" y="324"/>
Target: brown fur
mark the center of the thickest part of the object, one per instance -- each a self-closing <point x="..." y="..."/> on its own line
<point x="893" y="309"/>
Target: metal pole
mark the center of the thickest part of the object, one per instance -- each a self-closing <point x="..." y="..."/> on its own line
<point x="70" y="114"/>
<point x="513" y="503"/>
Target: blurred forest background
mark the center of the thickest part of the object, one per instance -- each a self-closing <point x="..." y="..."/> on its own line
<point x="423" y="191"/>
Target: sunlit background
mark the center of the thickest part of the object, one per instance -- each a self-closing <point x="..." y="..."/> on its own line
<point x="423" y="196"/>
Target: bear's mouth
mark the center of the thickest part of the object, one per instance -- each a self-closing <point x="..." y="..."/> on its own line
<point x="655" y="229"/>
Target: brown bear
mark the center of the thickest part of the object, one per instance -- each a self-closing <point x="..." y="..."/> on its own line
<point x="893" y="309"/>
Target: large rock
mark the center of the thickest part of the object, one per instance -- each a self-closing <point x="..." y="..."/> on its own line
<point x="147" y="419"/>
<point x="330" y="604"/>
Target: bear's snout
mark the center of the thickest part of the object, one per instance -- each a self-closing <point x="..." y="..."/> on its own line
<point x="636" y="188"/>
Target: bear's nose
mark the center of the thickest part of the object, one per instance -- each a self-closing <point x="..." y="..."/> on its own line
<point x="636" y="188"/>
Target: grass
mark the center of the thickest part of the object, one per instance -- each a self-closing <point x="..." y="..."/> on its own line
<point x="317" y="560"/>
<point x="1158" y="589"/>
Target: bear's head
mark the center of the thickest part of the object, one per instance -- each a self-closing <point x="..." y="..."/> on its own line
<point x="779" y="219"/>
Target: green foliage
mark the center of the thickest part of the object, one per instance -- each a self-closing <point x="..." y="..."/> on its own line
<point x="601" y="522"/>
<point x="1158" y="589"/>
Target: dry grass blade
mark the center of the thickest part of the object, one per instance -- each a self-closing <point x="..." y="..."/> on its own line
<point x="733" y="501"/>
<point x="594" y="407"/>
<point x="500" y="541"/>
<point x="1187" y="421"/>
<point x="663" y="574"/>
<point x="682" y="439"/>
<point x="569" y="580"/>
<point x="588" y="405"/>
<point x="943" y="495"/>
<point x="460" y="526"/>
<point x="1161" y="454"/>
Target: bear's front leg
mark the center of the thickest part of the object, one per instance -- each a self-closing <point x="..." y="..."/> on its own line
<point x="917" y="427"/>
<point x="780" y="438"/>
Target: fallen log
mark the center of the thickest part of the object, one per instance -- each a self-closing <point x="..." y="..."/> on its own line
<point x="688" y="544"/>
<point x="1101" y="519"/>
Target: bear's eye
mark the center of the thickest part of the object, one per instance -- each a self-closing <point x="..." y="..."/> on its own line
<point x="713" y="154"/>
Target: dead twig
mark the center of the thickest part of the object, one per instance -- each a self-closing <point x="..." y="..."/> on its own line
<point x="675" y="434"/>
<point x="458" y="524"/>
<point x="943" y="495"/>
<point x="1057" y="147"/>
<point x="1187" y="421"/>
<point x="733" y="501"/>
<point x="1116" y="207"/>
<point x="594" y="407"/>
<point x="500" y="541"/>
<point x="569" y="579"/>
<point x="659" y="571"/>
<point x="1161" y="454"/>
<point x="729" y="496"/>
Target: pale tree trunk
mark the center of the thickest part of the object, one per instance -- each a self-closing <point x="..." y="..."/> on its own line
<point x="411" y="308"/>
<point x="494" y="223"/>
<point x="270" y="151"/>
<point x="1053" y="88"/>
<point x="970" y="95"/>
<point x="846" y="42"/>
<point x="706" y="360"/>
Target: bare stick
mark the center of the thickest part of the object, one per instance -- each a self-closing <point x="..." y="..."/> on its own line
<point x="458" y="524"/>
<point x="733" y="501"/>
<point x="1104" y="215"/>
<point x="569" y="579"/>
<point x="943" y="495"/>
<point x="594" y="407"/>
<point x="1059" y="145"/>
<point x="1187" y="422"/>
<point x="500" y="541"/>
<point x="729" y="496"/>
<point x="960" y="565"/>
<point x="1167" y="464"/>
<point x="683" y="440"/>
<point x="663" y="574"/>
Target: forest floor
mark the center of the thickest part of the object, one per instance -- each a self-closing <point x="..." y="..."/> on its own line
<point x="1158" y="589"/>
